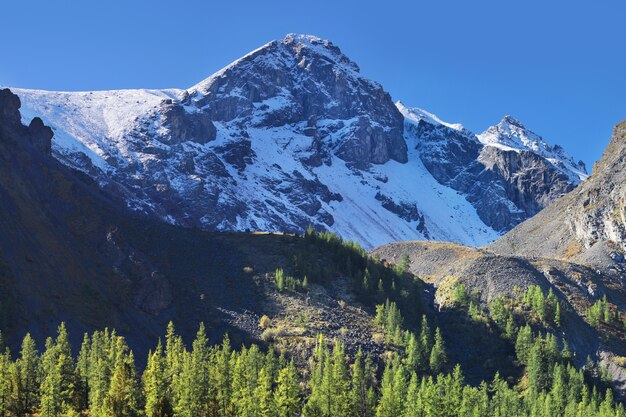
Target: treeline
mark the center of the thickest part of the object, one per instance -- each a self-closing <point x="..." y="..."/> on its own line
<point x="219" y="381"/>
<point x="327" y="256"/>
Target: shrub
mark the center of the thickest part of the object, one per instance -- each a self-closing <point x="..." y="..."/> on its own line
<point x="265" y="322"/>
<point x="271" y="333"/>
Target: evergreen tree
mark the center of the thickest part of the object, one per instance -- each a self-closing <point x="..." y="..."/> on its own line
<point x="50" y="401"/>
<point x="438" y="357"/>
<point x="122" y="397"/>
<point x="557" y="314"/>
<point x="538" y="367"/>
<point x="29" y="371"/>
<point x="155" y="385"/>
<point x="263" y="395"/>
<point x="523" y="343"/>
<point x="339" y="382"/>
<point x="392" y="391"/>
<point x="5" y="387"/>
<point x="287" y="395"/>
<point x="82" y="374"/>
<point x="360" y="400"/>
<point x="223" y="379"/>
<point x="50" y="392"/>
<point x="425" y="344"/>
<point x="65" y="363"/>
<point x="413" y="406"/>
<point x="315" y="404"/>
<point x="510" y="330"/>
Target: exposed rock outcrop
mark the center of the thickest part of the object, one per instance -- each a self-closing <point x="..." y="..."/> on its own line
<point x="506" y="181"/>
<point x="263" y="143"/>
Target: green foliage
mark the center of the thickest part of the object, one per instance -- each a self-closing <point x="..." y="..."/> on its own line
<point x="287" y="282"/>
<point x="460" y="297"/>
<point x="218" y="381"/>
<point x="388" y="316"/>
<point x="600" y="312"/>
<point x="404" y="264"/>
<point x="546" y="307"/>
<point x="438" y="358"/>
<point x="328" y="256"/>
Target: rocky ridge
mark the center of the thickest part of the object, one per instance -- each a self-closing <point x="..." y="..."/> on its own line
<point x="293" y="135"/>
<point x="575" y="247"/>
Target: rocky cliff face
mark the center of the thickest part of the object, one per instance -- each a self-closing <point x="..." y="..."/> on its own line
<point x="306" y="81"/>
<point x="293" y="135"/>
<point x="504" y="179"/>
<point x="588" y="223"/>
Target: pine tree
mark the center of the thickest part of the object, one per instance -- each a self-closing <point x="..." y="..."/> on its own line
<point x="50" y="391"/>
<point x="366" y="282"/>
<point x="339" y="382"/>
<point x="509" y="329"/>
<point x="438" y="357"/>
<point x="263" y="395"/>
<point x="558" y="390"/>
<point x="82" y="374"/>
<point x="50" y="401"/>
<point x="200" y="373"/>
<point x="122" y="397"/>
<point x="359" y="388"/>
<point x="287" y="394"/>
<point x="65" y="363"/>
<point x="388" y="404"/>
<point x="155" y="385"/>
<point x="5" y="387"/>
<point x="29" y="371"/>
<point x="523" y="343"/>
<point x="537" y="368"/>
<point x="413" y="404"/>
<point x="315" y="403"/>
<point x="223" y="378"/>
<point x="425" y="344"/>
<point x="99" y="371"/>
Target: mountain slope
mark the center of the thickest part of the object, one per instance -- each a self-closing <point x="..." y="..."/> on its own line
<point x="70" y="253"/>
<point x="293" y="135"/>
<point x="506" y="184"/>
<point x="574" y="247"/>
<point x="587" y="225"/>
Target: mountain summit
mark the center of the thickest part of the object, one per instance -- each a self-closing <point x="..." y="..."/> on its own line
<point x="511" y="134"/>
<point x="292" y="135"/>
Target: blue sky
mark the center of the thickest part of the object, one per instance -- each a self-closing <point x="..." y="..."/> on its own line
<point x="558" y="66"/>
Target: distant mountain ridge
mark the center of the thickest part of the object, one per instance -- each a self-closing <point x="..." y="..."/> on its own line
<point x="293" y="135"/>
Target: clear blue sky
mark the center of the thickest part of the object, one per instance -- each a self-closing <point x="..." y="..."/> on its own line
<point x="558" y="66"/>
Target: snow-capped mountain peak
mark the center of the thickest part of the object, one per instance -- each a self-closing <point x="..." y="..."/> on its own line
<point x="292" y="52"/>
<point x="511" y="134"/>
<point x="292" y="135"/>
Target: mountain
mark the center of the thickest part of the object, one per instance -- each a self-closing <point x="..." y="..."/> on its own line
<point x="587" y="225"/>
<point x="575" y="248"/>
<point x="505" y="183"/>
<point x="69" y="252"/>
<point x="293" y="135"/>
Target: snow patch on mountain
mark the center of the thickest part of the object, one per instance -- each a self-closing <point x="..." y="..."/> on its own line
<point x="415" y="115"/>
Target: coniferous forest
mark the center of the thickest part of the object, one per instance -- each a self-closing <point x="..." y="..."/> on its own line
<point x="102" y="379"/>
<point x="415" y="377"/>
<point x="287" y="237"/>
